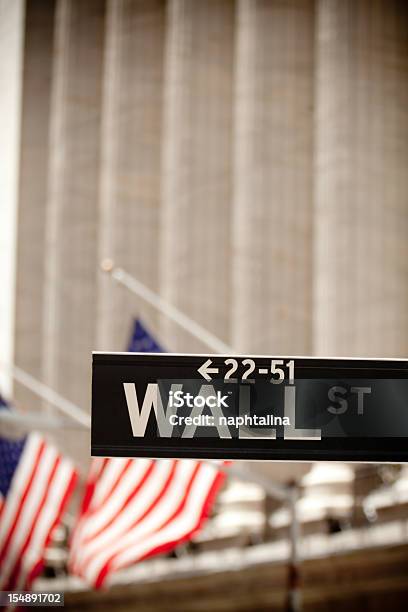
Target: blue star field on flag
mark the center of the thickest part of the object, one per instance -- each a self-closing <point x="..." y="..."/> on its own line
<point x="10" y="453"/>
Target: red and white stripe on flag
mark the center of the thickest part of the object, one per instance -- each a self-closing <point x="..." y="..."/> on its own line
<point x="137" y="508"/>
<point x="40" y="488"/>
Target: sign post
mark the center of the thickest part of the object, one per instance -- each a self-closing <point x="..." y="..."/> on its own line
<point x="245" y="407"/>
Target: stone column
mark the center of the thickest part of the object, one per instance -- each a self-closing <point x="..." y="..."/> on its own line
<point x="11" y="61"/>
<point x="361" y="216"/>
<point x="273" y="178"/>
<point x="131" y="162"/>
<point x="33" y="176"/>
<point x="197" y="151"/>
<point x="72" y="203"/>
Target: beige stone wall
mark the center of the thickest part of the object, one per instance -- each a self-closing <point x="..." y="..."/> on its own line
<point x="361" y="179"/>
<point x="72" y="214"/>
<point x="195" y="230"/>
<point x="33" y="180"/>
<point x="130" y="177"/>
<point x="11" y="63"/>
<point x="273" y="180"/>
<point x="72" y="208"/>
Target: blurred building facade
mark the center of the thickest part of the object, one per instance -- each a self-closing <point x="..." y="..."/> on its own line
<point x="248" y="161"/>
<point x="245" y="159"/>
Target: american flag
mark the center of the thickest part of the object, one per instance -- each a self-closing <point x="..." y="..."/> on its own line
<point x="136" y="508"/>
<point x="36" y="483"/>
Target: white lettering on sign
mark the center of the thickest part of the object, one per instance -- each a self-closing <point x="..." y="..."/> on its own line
<point x="336" y="395"/>
<point x="278" y="368"/>
<point x="152" y="399"/>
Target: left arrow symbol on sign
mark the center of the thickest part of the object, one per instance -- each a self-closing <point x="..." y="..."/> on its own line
<point x="205" y="370"/>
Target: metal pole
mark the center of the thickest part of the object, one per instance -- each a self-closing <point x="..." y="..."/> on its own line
<point x="33" y="420"/>
<point x="272" y="489"/>
<point x="173" y="313"/>
<point x="294" y="603"/>
<point x="49" y="395"/>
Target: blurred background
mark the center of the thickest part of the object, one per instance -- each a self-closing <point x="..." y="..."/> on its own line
<point x="246" y="160"/>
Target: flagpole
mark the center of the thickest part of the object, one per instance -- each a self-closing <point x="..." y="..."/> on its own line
<point x="46" y="393"/>
<point x="135" y="286"/>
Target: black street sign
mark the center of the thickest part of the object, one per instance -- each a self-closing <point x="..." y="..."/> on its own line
<point x="224" y="407"/>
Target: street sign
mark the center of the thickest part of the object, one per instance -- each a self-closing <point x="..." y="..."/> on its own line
<point x="229" y="407"/>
